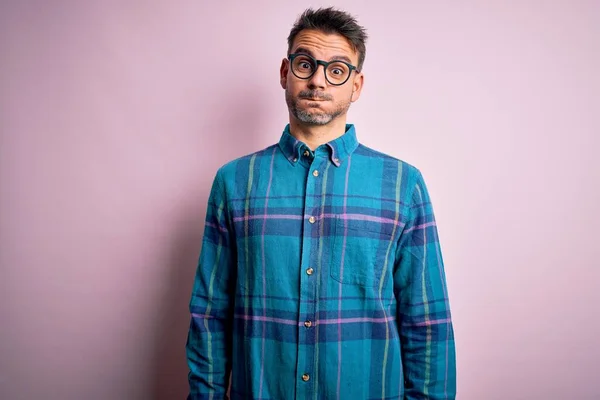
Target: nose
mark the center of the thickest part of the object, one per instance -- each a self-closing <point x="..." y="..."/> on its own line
<point x="317" y="80"/>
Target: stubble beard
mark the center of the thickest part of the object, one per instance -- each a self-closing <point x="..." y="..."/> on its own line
<point x="314" y="115"/>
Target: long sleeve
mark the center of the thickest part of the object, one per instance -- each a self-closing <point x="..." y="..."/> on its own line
<point x="208" y="345"/>
<point x="424" y="322"/>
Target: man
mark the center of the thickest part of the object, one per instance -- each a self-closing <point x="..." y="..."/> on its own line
<point x="320" y="275"/>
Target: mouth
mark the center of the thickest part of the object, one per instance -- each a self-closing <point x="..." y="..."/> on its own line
<point x="310" y="103"/>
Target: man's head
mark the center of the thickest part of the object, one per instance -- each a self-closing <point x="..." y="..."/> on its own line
<point x="317" y="93"/>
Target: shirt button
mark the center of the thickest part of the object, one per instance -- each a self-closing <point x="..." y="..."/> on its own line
<point x="305" y="377"/>
<point x="312" y="220"/>
<point x="309" y="271"/>
<point x="315" y="173"/>
<point x="306" y="153"/>
<point x="336" y="159"/>
<point x="307" y="324"/>
<point x="295" y="159"/>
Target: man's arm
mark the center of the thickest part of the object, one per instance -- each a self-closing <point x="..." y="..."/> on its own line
<point x="208" y="346"/>
<point x="426" y="331"/>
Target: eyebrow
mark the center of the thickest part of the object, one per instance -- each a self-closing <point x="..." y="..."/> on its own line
<point x="334" y="58"/>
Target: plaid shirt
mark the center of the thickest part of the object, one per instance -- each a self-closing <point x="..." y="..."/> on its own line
<point x="320" y="277"/>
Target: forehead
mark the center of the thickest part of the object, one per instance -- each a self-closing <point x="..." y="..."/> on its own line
<point x="324" y="46"/>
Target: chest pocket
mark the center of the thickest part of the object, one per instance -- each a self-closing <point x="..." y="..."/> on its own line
<point x="360" y="250"/>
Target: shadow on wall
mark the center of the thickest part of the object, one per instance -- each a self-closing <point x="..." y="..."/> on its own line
<point x="169" y="374"/>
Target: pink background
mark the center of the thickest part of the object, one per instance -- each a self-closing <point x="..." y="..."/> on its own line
<point x="114" y="118"/>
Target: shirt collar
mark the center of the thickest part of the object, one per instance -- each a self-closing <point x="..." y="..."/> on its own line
<point x="340" y="148"/>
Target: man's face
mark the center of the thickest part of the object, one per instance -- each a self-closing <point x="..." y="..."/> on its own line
<point x="314" y="101"/>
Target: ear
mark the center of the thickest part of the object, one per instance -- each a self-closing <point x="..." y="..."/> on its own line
<point x="357" y="85"/>
<point x="283" y="72"/>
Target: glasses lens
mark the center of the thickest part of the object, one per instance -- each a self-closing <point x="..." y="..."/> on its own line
<point x="337" y="72"/>
<point x="303" y="66"/>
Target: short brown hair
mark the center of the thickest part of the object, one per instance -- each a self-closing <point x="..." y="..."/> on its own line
<point x="330" y="20"/>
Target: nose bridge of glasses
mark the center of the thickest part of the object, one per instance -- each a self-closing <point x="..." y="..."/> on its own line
<point x="318" y="63"/>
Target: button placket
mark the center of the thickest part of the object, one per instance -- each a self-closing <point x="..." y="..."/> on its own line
<point x="310" y="275"/>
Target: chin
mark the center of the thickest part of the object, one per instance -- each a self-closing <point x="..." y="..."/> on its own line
<point x="312" y="119"/>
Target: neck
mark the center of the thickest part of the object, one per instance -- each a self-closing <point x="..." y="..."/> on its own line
<point x="315" y="135"/>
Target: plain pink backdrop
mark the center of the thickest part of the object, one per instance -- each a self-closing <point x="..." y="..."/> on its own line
<point x="114" y="117"/>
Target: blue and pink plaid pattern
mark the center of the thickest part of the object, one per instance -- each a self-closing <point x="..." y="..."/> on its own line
<point x="320" y="277"/>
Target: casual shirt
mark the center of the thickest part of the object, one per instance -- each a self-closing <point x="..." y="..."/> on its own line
<point x="320" y="277"/>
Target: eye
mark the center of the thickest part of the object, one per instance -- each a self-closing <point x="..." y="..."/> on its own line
<point x="305" y="65"/>
<point x="337" y="70"/>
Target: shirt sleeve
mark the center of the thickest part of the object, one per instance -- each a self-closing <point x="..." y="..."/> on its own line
<point x="424" y="321"/>
<point x="208" y="346"/>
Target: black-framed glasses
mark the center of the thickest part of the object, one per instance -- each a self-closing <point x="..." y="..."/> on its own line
<point x="336" y="72"/>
